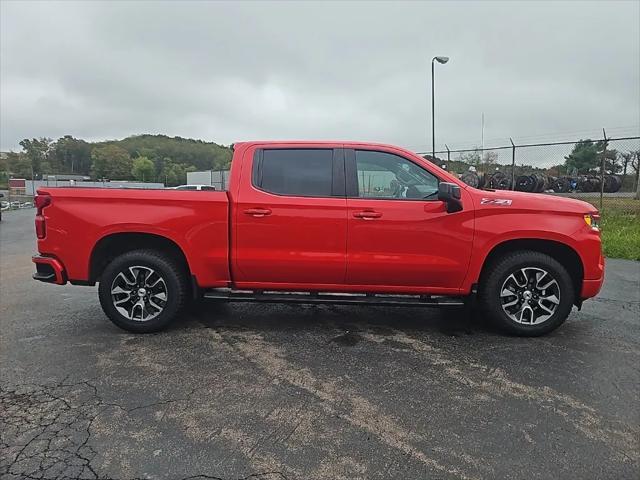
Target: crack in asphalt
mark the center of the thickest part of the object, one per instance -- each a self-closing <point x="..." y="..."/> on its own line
<point x="45" y="433"/>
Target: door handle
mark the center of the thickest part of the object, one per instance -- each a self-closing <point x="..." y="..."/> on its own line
<point x="258" y="212"/>
<point x="367" y="215"/>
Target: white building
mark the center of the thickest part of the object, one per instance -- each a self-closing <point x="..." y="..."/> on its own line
<point x="216" y="178"/>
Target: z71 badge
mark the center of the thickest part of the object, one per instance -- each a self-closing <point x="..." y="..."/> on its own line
<point x="505" y="202"/>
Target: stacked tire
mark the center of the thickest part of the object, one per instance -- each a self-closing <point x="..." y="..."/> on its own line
<point x="561" y="184"/>
<point x="612" y="183"/>
<point x="534" y="183"/>
<point x="588" y="184"/>
<point x="473" y="179"/>
<point x="539" y="182"/>
<point x="498" y="181"/>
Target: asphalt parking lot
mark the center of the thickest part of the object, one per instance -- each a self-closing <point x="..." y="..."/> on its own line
<point x="277" y="392"/>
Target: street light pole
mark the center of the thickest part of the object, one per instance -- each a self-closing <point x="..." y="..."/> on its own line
<point x="441" y="60"/>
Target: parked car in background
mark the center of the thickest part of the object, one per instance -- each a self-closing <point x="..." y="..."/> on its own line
<point x="193" y="187"/>
<point x="324" y="222"/>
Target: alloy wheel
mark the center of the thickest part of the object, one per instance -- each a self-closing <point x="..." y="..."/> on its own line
<point x="530" y="296"/>
<point x="139" y="293"/>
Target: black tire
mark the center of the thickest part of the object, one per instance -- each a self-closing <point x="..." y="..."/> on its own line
<point x="562" y="185"/>
<point x="616" y="183"/>
<point x="471" y="179"/>
<point x="612" y="183"/>
<point x="526" y="183"/>
<point x="175" y="286"/>
<point x="540" y="182"/>
<point x="499" y="181"/>
<point x="585" y="185"/>
<point x="497" y="273"/>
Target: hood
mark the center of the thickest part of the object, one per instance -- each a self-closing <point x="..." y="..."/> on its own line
<point x="529" y="201"/>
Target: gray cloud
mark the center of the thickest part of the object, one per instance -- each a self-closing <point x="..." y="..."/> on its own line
<point x="228" y="72"/>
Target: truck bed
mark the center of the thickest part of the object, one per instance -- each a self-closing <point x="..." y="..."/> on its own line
<point x="79" y="219"/>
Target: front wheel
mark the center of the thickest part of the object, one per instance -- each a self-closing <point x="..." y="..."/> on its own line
<point x="527" y="293"/>
<point x="143" y="291"/>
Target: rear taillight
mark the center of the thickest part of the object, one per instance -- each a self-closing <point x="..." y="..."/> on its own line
<point x="41" y="202"/>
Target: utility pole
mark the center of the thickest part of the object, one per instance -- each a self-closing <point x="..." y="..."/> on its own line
<point x="482" y="132"/>
<point x="33" y="183"/>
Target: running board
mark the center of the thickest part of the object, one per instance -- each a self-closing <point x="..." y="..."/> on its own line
<point x="231" y="295"/>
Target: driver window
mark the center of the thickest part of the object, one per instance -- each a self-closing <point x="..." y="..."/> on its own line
<point x="388" y="176"/>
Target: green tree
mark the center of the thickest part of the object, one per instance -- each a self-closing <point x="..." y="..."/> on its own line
<point x="583" y="157"/>
<point x="111" y="161"/>
<point x="18" y="165"/>
<point x="586" y="157"/>
<point x="169" y="175"/>
<point x="72" y="155"/>
<point x="175" y="173"/>
<point x="478" y="158"/>
<point x="143" y="169"/>
<point x="172" y="156"/>
<point x="37" y="151"/>
<point x="179" y="174"/>
<point x="629" y="161"/>
<point x="202" y="155"/>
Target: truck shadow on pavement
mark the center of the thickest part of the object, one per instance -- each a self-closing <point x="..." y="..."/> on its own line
<point x="451" y="321"/>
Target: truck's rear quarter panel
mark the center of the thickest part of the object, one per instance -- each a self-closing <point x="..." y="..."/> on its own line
<point x="197" y="221"/>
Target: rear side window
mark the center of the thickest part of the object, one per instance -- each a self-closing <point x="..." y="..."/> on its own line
<point x="299" y="172"/>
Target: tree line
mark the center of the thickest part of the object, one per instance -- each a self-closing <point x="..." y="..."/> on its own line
<point x="146" y="158"/>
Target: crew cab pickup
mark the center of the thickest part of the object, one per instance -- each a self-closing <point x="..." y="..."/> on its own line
<point x="324" y="222"/>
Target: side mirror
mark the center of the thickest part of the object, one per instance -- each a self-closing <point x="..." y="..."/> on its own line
<point x="451" y="195"/>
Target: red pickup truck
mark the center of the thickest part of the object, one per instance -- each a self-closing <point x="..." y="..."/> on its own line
<point x="324" y="222"/>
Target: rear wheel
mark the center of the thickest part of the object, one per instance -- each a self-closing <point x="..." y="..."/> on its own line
<point x="527" y="293"/>
<point x="143" y="291"/>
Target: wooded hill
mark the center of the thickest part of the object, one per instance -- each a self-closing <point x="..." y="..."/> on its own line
<point x="140" y="157"/>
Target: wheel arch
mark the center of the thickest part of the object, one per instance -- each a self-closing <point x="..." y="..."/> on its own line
<point x="115" y="244"/>
<point x="561" y="252"/>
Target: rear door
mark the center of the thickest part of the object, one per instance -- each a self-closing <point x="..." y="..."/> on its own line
<point x="291" y="217"/>
<point x="400" y="235"/>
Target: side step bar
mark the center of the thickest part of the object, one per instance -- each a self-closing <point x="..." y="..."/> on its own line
<point x="231" y="295"/>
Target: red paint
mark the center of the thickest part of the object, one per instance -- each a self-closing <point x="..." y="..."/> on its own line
<point x="55" y="265"/>
<point x="307" y="243"/>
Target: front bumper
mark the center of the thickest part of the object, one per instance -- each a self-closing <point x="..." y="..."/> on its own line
<point x="49" y="270"/>
<point x="591" y="287"/>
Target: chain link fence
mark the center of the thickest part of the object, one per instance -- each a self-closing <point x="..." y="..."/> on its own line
<point x="603" y="171"/>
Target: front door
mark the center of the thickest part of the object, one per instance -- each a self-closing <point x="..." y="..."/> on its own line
<point x="291" y="218"/>
<point x="400" y="234"/>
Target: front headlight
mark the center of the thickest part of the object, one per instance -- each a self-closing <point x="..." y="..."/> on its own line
<point x="593" y="220"/>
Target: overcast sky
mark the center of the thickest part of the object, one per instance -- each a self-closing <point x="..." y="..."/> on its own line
<point x="357" y="71"/>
